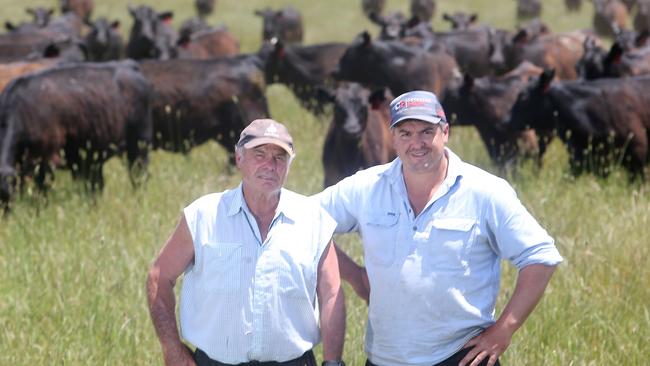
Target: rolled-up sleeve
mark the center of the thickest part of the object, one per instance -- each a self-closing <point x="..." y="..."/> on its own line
<point x="516" y="235"/>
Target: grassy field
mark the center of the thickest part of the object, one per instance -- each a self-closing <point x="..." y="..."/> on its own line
<point x="73" y="267"/>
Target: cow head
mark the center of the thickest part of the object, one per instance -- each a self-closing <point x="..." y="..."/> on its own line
<point x="460" y="19"/>
<point x="355" y="63"/>
<point x="204" y="7"/>
<point x="152" y="35"/>
<point x="533" y="108"/>
<point x="423" y="9"/>
<point x="284" y="24"/>
<point x="591" y="64"/>
<point x="41" y="16"/>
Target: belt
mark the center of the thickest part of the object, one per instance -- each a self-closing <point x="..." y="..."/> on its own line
<point x="307" y="359"/>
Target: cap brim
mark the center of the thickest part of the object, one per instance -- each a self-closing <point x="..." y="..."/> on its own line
<point x="431" y="119"/>
<point x="268" y="140"/>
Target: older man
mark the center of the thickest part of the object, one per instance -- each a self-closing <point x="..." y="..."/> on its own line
<point x="259" y="267"/>
<point x="434" y="231"/>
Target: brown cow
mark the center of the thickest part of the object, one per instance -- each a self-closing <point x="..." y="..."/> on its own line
<point x="560" y="51"/>
<point x="216" y="42"/>
<point x="82" y="8"/>
<point x="12" y="70"/>
<point x="610" y="17"/>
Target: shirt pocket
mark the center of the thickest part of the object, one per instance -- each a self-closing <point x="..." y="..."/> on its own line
<point x="379" y="238"/>
<point x="451" y="239"/>
<point x="221" y="267"/>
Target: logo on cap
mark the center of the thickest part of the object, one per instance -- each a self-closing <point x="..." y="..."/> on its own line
<point x="271" y="131"/>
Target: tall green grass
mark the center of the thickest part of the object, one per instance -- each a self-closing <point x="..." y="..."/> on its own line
<point x="73" y="266"/>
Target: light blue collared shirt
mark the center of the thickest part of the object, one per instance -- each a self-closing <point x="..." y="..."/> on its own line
<point x="434" y="278"/>
<point x="244" y="299"/>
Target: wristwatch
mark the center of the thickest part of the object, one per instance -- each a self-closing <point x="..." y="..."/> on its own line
<point x="333" y="363"/>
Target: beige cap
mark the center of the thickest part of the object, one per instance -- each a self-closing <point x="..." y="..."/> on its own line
<point x="266" y="131"/>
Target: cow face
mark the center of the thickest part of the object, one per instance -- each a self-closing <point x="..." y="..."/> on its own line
<point x="41" y="16"/>
<point x="351" y="109"/>
<point x="152" y="35"/>
<point x="460" y="19"/>
<point x="283" y="25"/>
<point x="590" y="65"/>
<point x="104" y="41"/>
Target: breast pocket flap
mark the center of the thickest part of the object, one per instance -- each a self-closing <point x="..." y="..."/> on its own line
<point x="454" y="224"/>
<point x="386" y="220"/>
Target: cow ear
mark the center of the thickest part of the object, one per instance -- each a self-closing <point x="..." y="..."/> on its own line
<point x="278" y="48"/>
<point x="259" y="13"/>
<point x="324" y="95"/>
<point x="521" y="37"/>
<point x="29" y="11"/>
<point x="50" y="11"/>
<point x="446" y="17"/>
<point x="642" y="38"/>
<point x="184" y="39"/>
<point x="9" y="26"/>
<point x="115" y="24"/>
<point x="473" y="18"/>
<point x="545" y="79"/>
<point x="468" y="81"/>
<point x="166" y="16"/>
<point x="51" y="51"/>
<point x="615" y="53"/>
<point x="377" y="98"/>
<point x="415" y="20"/>
<point x="366" y="39"/>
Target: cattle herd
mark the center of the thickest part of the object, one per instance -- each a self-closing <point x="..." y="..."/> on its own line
<point x="74" y="92"/>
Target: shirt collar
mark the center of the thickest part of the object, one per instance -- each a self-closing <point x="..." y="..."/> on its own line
<point x="284" y="207"/>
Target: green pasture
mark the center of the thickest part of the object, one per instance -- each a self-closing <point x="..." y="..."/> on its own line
<point x="73" y="267"/>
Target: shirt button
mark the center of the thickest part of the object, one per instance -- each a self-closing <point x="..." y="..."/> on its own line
<point x="415" y="228"/>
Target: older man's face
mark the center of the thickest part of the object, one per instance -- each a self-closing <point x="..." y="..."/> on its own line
<point x="264" y="168"/>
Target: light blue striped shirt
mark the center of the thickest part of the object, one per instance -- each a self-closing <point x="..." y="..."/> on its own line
<point x="244" y="299"/>
<point x="435" y="277"/>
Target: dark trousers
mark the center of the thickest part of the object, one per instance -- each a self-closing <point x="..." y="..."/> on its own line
<point x="452" y="361"/>
<point x="307" y="359"/>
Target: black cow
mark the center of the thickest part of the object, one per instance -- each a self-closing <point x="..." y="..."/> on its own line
<point x="642" y="16"/>
<point x="40" y="18"/>
<point x="598" y="63"/>
<point x="152" y="35"/>
<point x="529" y="8"/>
<point x="478" y="50"/>
<point x="485" y="103"/>
<point x="304" y="69"/>
<point x="204" y="8"/>
<point x="358" y="136"/>
<point x="198" y="100"/>
<point x="104" y="41"/>
<point x="395" y="65"/>
<point x="76" y="116"/>
<point x="573" y="5"/>
<point x="424" y="10"/>
<point x="371" y="7"/>
<point x="284" y="25"/>
<point x="602" y="122"/>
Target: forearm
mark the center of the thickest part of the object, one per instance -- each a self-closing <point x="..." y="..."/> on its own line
<point x="353" y="273"/>
<point x="531" y="283"/>
<point x="162" y="308"/>
<point x="332" y="320"/>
